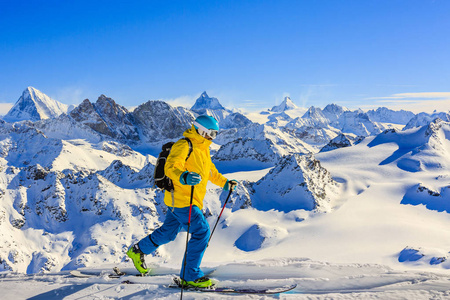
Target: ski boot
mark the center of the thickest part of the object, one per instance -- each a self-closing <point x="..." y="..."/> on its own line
<point x="202" y="283"/>
<point x="137" y="256"/>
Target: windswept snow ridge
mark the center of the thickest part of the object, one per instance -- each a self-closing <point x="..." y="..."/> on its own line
<point x="301" y="182"/>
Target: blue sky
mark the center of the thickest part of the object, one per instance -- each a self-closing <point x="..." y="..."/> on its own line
<point x="249" y="54"/>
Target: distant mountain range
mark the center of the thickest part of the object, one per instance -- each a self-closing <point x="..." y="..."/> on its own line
<point x="155" y="121"/>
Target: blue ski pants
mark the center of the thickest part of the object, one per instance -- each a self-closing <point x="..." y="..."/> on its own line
<point x="199" y="230"/>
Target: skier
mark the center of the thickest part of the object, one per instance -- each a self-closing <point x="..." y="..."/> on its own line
<point x="195" y="171"/>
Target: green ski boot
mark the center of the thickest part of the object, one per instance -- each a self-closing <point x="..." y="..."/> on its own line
<point x="202" y="282"/>
<point x="137" y="256"/>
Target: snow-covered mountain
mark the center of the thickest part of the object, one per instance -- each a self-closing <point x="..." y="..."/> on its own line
<point x="75" y="210"/>
<point x="235" y="120"/>
<point x="386" y="115"/>
<point x="419" y="149"/>
<point x="278" y="119"/>
<point x="107" y="118"/>
<point x="287" y="104"/>
<point x="279" y="115"/>
<point x="397" y="173"/>
<point x="153" y="121"/>
<point x="247" y="148"/>
<point x="34" y="105"/>
<point x="359" y="123"/>
<point x="317" y="127"/>
<point x="315" y="115"/>
<point x="158" y="120"/>
<point x="302" y="182"/>
<point x="55" y="187"/>
<point x="205" y="105"/>
<point x="333" y="111"/>
<point x="65" y="127"/>
<point x="423" y="119"/>
<point x="341" y="141"/>
<point x="258" y="143"/>
<point x="313" y="127"/>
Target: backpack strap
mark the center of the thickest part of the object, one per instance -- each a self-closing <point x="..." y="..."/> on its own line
<point x="189" y="153"/>
<point x="190" y="147"/>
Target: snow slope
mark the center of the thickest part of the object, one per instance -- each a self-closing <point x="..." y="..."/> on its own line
<point x="315" y="280"/>
<point x="377" y="242"/>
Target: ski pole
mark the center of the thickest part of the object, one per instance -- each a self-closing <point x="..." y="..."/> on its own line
<point x="218" y="218"/>
<point x="187" y="240"/>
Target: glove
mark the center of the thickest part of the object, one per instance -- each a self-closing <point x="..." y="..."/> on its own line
<point x="230" y="184"/>
<point x="190" y="178"/>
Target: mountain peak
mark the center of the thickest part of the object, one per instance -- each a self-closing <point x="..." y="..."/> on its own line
<point x="386" y="115"/>
<point x="104" y="100"/>
<point x="287" y="104"/>
<point x="205" y="102"/>
<point x="335" y="108"/>
<point x="31" y="89"/>
<point x="422" y="119"/>
<point x="313" y="112"/>
<point x="333" y="111"/>
<point x="34" y="105"/>
<point x="309" y="186"/>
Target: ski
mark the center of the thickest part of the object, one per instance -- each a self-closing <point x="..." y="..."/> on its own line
<point x="117" y="273"/>
<point x="235" y="290"/>
<point x="88" y="274"/>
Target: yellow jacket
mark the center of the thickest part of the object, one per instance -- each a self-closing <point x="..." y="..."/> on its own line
<point x="199" y="162"/>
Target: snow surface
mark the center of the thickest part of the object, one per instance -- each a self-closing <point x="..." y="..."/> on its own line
<point x="315" y="280"/>
<point x="371" y="246"/>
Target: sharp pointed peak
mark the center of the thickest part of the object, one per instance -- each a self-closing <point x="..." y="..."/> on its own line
<point x="287" y="99"/>
<point x="206" y="102"/>
<point x="103" y="97"/>
<point x="32" y="91"/>
<point x="34" y="105"/>
<point x="287" y="104"/>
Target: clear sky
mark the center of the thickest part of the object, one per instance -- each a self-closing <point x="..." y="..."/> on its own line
<point x="249" y="54"/>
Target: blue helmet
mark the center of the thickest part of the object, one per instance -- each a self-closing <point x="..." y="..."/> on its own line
<point x="207" y="126"/>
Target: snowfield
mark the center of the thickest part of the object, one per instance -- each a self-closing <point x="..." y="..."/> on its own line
<point x="369" y="220"/>
<point x="315" y="280"/>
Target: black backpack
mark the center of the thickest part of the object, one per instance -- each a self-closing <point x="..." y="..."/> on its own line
<point x="161" y="180"/>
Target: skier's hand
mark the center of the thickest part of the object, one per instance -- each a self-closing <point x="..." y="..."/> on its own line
<point x="230" y="185"/>
<point x="190" y="178"/>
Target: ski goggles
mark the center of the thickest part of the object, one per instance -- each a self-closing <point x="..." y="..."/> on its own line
<point x="205" y="131"/>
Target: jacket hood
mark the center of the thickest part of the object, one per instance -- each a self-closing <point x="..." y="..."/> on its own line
<point x="192" y="134"/>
